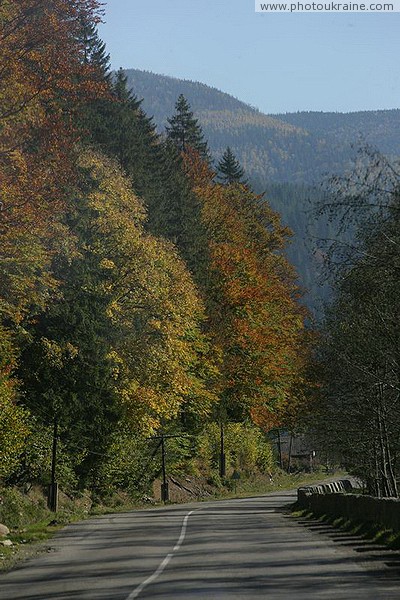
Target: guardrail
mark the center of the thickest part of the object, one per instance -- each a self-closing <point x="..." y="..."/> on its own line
<point x="337" y="500"/>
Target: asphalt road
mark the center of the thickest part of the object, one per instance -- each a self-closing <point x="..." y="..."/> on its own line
<point x="247" y="548"/>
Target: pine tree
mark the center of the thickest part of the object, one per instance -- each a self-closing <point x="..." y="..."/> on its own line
<point x="229" y="169"/>
<point x="184" y="130"/>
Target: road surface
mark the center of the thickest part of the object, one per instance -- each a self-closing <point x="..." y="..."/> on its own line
<point x="245" y="548"/>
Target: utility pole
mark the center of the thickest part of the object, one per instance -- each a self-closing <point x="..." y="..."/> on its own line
<point x="52" y="500"/>
<point x="222" y="459"/>
<point x="289" y="465"/>
<point x="280" y="450"/>
<point x="164" y="485"/>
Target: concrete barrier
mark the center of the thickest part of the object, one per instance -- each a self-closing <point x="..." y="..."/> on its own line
<point x="333" y="499"/>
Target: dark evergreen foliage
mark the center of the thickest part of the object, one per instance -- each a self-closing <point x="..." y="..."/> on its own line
<point x="94" y="49"/>
<point x="122" y="130"/>
<point x="184" y="130"/>
<point x="66" y="370"/>
<point x="229" y="169"/>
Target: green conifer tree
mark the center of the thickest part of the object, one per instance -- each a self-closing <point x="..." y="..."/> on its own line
<point x="66" y="368"/>
<point x="124" y="131"/>
<point x="93" y="48"/>
<point x="184" y="130"/>
<point x="121" y="90"/>
<point x="229" y="169"/>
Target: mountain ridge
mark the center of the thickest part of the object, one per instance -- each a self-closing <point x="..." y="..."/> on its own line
<point x="284" y="155"/>
<point x="292" y="147"/>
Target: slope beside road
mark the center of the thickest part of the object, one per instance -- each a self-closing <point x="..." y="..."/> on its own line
<point x="242" y="548"/>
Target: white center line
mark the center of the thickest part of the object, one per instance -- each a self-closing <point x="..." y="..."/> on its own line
<point x="135" y="593"/>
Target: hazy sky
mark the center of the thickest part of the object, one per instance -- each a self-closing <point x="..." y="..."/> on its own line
<point x="276" y="62"/>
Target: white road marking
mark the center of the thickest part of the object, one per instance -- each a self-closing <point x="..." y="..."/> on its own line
<point x="183" y="532"/>
<point x="135" y="593"/>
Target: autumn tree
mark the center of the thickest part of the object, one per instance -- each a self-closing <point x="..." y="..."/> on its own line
<point x="44" y="78"/>
<point x="232" y="243"/>
<point x="251" y="294"/>
<point x="122" y="343"/>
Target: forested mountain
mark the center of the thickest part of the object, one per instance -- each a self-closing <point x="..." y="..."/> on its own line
<point x="268" y="148"/>
<point x="297" y="148"/>
<point x="381" y="128"/>
<point x="284" y="155"/>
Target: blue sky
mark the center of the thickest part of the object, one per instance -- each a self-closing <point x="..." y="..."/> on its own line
<point x="276" y="62"/>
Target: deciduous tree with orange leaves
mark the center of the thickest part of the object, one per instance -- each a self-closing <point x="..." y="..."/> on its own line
<point x="254" y="316"/>
<point x="43" y="79"/>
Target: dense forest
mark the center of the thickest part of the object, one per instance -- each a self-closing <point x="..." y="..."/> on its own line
<point x="380" y="128"/>
<point x="145" y="286"/>
<point x="287" y="156"/>
<point x="291" y="148"/>
<point x="139" y="293"/>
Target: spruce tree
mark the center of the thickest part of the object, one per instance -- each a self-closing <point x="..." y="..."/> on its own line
<point x="93" y="48"/>
<point x="66" y="367"/>
<point x="121" y="90"/>
<point x="184" y="130"/>
<point x="229" y="169"/>
<point x="155" y="167"/>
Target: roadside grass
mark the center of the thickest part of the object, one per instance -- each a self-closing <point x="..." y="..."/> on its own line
<point x="369" y="531"/>
<point x="26" y="542"/>
<point x="31" y="539"/>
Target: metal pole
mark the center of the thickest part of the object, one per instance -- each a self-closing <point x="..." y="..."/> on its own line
<point x="222" y="461"/>
<point x="52" y="500"/>
<point x="280" y="450"/>
<point x="164" y="485"/>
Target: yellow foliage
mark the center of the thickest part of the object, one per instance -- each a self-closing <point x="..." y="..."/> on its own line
<point x="153" y="304"/>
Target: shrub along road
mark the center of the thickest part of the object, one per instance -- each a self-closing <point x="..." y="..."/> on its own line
<point x="242" y="548"/>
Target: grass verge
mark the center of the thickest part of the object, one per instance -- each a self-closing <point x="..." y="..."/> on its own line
<point x="29" y="535"/>
<point x="369" y="531"/>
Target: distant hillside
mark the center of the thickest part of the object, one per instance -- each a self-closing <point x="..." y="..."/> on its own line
<point x="285" y="155"/>
<point x="380" y="128"/>
<point x="160" y="93"/>
<point x="299" y="148"/>
<point x="226" y="121"/>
